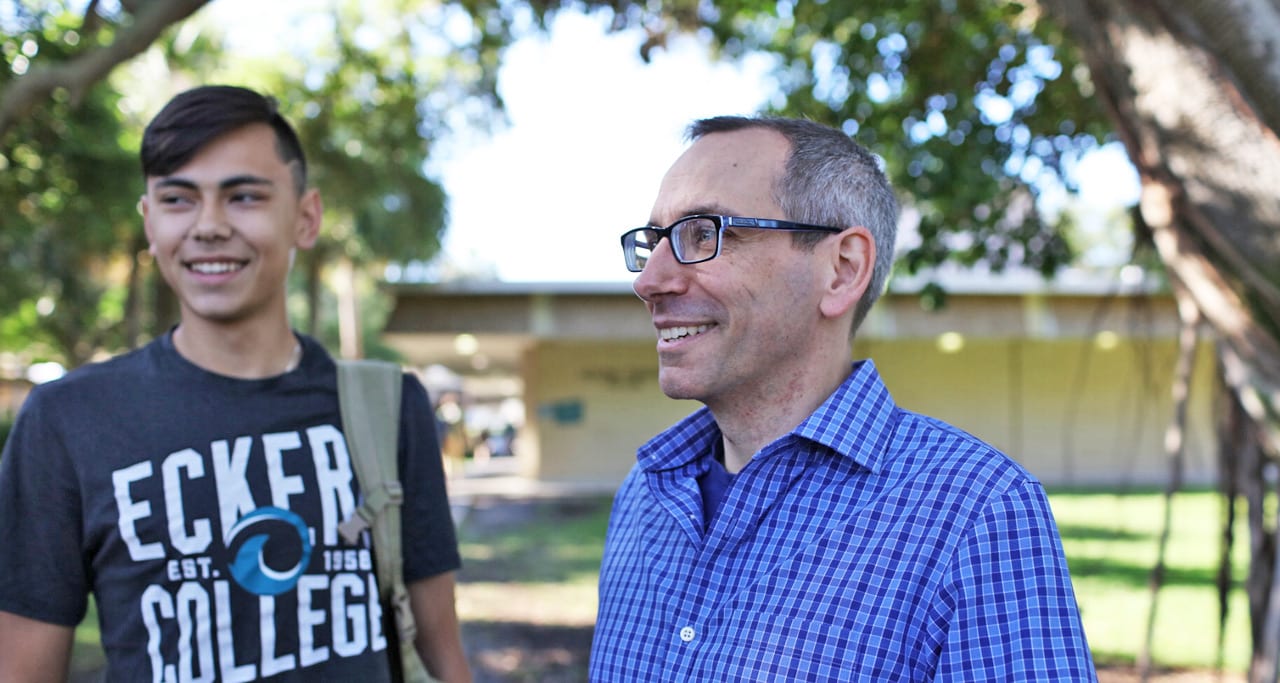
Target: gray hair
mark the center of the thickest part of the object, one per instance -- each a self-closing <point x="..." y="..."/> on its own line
<point x="829" y="180"/>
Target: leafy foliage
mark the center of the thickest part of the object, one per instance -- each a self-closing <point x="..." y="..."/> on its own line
<point x="369" y="96"/>
<point x="68" y="179"/>
<point x="974" y="105"/>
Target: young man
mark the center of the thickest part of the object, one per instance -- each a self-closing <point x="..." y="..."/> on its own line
<point x="801" y="526"/>
<point x="195" y="486"/>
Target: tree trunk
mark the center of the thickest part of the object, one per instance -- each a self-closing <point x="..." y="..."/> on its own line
<point x="1175" y="449"/>
<point x="1230" y="424"/>
<point x="133" y="318"/>
<point x="314" y="261"/>
<point x="349" y="330"/>
<point x="1206" y="148"/>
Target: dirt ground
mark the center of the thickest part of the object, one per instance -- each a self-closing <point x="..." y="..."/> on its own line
<point x="518" y="651"/>
<point x="502" y="653"/>
<point x="512" y="648"/>
<point x="512" y="641"/>
<point x="1127" y="675"/>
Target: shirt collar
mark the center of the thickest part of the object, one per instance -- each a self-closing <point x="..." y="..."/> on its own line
<point x="681" y="444"/>
<point x="856" y="422"/>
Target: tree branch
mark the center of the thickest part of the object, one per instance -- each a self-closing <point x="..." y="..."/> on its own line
<point x="1175" y="451"/>
<point x="81" y="73"/>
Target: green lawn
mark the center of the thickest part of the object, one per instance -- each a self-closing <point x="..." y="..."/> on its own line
<point x="1111" y="542"/>
<point x="542" y="561"/>
<point x="86" y="651"/>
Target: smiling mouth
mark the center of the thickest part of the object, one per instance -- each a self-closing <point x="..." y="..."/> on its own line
<point x="674" y="333"/>
<point x="216" y="267"/>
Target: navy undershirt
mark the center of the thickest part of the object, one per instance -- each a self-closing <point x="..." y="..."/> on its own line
<point x="713" y="484"/>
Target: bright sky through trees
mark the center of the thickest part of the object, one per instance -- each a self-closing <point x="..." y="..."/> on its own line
<point x="592" y="130"/>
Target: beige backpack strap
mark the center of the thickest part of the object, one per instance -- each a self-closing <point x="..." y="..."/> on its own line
<point x="369" y="395"/>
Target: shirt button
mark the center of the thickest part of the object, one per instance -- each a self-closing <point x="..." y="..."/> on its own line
<point x="687" y="634"/>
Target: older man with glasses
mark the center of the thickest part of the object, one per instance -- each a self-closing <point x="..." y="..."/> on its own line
<point x="801" y="526"/>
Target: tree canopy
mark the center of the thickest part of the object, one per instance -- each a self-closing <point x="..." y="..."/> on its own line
<point x="370" y="98"/>
<point x="975" y="105"/>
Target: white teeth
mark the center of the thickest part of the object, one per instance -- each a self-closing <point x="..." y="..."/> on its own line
<point x="215" y="268"/>
<point x="672" y="333"/>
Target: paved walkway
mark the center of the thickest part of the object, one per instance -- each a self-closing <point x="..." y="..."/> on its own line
<point x="500" y="479"/>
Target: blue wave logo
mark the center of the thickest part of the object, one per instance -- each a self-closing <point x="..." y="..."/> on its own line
<point x="285" y="532"/>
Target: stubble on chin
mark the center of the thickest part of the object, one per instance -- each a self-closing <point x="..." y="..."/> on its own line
<point x="675" y="386"/>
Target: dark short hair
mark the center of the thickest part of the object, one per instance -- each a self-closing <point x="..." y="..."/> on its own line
<point x="195" y="118"/>
<point x="829" y="179"/>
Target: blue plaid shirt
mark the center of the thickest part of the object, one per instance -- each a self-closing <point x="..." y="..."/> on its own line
<point x="869" y="544"/>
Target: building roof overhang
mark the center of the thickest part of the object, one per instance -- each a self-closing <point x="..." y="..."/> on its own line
<point x="485" y="327"/>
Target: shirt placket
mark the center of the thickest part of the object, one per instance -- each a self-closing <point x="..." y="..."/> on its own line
<point x="707" y="578"/>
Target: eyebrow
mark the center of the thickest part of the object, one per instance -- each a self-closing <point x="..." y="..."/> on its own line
<point x="713" y="209"/>
<point x="224" y="184"/>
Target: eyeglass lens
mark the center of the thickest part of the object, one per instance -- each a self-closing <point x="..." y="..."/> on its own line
<point x="637" y="245"/>
<point x="695" y="239"/>
<point x="692" y="239"/>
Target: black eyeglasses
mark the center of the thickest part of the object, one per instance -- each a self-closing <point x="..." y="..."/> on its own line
<point x="695" y="239"/>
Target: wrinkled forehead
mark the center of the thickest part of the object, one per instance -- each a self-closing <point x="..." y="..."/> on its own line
<point x="729" y="172"/>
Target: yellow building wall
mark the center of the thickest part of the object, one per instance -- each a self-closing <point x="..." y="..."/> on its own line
<point x="590" y="405"/>
<point x="1070" y="411"/>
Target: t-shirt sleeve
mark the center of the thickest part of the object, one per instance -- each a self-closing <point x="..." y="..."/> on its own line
<point x="430" y="543"/>
<point x="42" y="570"/>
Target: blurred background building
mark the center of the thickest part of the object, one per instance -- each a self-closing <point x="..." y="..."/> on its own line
<point x="1070" y="377"/>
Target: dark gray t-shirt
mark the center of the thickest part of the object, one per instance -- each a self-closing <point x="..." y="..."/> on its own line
<point x="202" y="512"/>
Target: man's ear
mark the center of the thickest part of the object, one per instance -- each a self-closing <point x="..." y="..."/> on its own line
<point x="144" y="208"/>
<point x="850" y="260"/>
<point x="310" y="212"/>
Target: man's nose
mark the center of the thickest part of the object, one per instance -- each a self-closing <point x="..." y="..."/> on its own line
<point x="211" y="222"/>
<point x="662" y="274"/>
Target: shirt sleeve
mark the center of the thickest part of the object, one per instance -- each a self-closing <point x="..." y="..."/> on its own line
<point x="42" y="570"/>
<point x="1009" y="611"/>
<point x="429" y="542"/>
